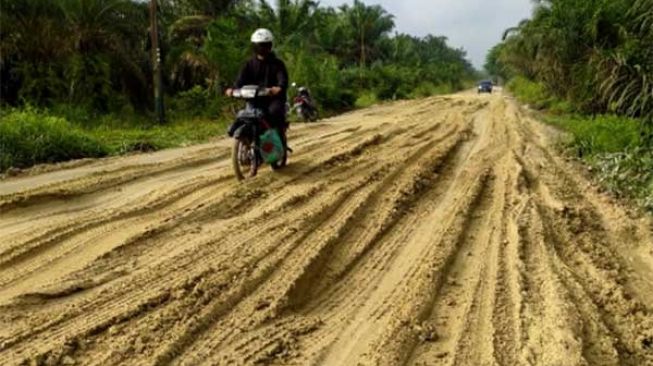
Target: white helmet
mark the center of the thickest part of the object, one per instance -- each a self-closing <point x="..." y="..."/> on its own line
<point x="262" y="35"/>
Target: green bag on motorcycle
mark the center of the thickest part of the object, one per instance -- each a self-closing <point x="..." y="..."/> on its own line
<point x="271" y="146"/>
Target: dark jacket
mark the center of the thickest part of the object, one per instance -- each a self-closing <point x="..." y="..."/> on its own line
<point x="267" y="73"/>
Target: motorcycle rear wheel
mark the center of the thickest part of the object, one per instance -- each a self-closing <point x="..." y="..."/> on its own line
<point x="284" y="160"/>
<point x="314" y="116"/>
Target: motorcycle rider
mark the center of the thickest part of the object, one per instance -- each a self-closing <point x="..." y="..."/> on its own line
<point x="303" y="103"/>
<point x="303" y="92"/>
<point x="266" y="70"/>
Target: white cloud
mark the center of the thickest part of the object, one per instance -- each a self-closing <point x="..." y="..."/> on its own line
<point x="475" y="25"/>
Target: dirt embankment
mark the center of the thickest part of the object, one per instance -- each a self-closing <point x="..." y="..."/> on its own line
<point x="443" y="231"/>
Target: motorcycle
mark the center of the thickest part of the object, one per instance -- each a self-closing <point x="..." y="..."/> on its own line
<point x="255" y="142"/>
<point x="305" y="110"/>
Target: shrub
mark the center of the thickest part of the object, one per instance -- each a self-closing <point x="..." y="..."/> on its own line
<point x="530" y="92"/>
<point x="429" y="89"/>
<point x="613" y="146"/>
<point x="366" y="99"/>
<point x="321" y="74"/>
<point x="628" y="173"/>
<point x="599" y="134"/>
<point x="29" y="137"/>
<point x="195" y="101"/>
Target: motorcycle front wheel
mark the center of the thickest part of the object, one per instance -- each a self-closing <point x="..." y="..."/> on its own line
<point x="303" y="115"/>
<point x="243" y="160"/>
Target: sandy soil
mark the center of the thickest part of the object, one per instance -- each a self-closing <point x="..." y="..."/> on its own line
<point x="443" y="231"/>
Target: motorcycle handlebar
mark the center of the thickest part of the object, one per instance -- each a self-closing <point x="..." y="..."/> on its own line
<point x="250" y="92"/>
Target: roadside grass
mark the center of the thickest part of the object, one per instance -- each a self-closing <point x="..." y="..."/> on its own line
<point x="611" y="145"/>
<point x="366" y="99"/>
<point x="29" y="137"/>
<point x="596" y="135"/>
<point x="369" y="98"/>
<point x="156" y="137"/>
<point x="426" y="89"/>
<point x="628" y="173"/>
<point x="529" y="92"/>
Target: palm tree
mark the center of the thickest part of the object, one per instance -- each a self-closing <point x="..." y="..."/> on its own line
<point x="72" y="49"/>
<point x="627" y="71"/>
<point x="31" y="36"/>
<point x="289" y="20"/>
<point x="187" y="63"/>
<point x="368" y="25"/>
<point x="105" y="36"/>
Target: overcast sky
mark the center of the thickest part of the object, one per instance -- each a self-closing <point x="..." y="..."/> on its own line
<point x="475" y="25"/>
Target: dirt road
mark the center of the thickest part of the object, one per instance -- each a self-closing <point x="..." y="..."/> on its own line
<point x="443" y="231"/>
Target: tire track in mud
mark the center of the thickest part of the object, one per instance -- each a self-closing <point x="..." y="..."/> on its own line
<point x="434" y="232"/>
<point x="356" y="151"/>
<point x="438" y="192"/>
<point x="82" y="229"/>
<point x="357" y="216"/>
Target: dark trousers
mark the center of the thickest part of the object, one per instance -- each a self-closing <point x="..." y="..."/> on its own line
<point x="276" y="110"/>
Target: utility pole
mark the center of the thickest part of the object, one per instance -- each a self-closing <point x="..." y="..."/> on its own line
<point x="156" y="63"/>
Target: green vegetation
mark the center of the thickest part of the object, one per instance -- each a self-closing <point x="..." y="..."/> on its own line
<point x="628" y="173"/>
<point x="29" y="137"/>
<point x="597" y="55"/>
<point x="589" y="64"/>
<point x="367" y="99"/>
<point x="88" y="62"/>
<point x="613" y="147"/>
<point x="604" y="134"/>
<point x="530" y="92"/>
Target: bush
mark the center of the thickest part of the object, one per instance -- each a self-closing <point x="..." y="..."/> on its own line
<point x="628" y="173"/>
<point x="74" y="112"/>
<point x="366" y="99"/>
<point x="530" y="92"/>
<point x="29" y="137"/>
<point x="195" y="101"/>
<point x="156" y="137"/>
<point x="321" y="74"/>
<point x="561" y="107"/>
<point x="599" y="134"/>
<point x="429" y="89"/>
<point x="613" y="146"/>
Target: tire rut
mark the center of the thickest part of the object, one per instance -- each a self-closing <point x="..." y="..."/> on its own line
<point x="442" y="231"/>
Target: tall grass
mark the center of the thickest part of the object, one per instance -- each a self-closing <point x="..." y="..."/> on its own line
<point x="614" y="147"/>
<point x="28" y="137"/>
<point x="536" y="95"/>
<point x="529" y="92"/>
<point x="628" y="173"/>
<point x="366" y="99"/>
<point x="603" y="134"/>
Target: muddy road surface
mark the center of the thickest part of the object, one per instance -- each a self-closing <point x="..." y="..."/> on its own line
<point x="443" y="231"/>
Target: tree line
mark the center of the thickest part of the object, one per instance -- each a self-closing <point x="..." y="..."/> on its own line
<point x="595" y="54"/>
<point x="95" y="54"/>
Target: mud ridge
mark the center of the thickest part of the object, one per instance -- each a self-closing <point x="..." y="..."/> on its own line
<point x="442" y="231"/>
